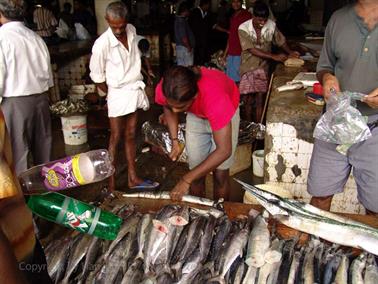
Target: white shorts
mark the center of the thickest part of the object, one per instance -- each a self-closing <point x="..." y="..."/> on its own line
<point x="127" y="99"/>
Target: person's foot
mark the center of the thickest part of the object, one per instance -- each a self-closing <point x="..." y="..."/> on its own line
<point x="139" y="183"/>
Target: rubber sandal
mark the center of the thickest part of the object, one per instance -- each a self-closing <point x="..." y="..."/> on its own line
<point x="146" y="184"/>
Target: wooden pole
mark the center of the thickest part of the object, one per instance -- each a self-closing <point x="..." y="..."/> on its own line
<point x="267" y="98"/>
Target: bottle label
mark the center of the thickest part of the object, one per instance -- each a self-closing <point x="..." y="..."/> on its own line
<point x="62" y="174"/>
<point x="78" y="216"/>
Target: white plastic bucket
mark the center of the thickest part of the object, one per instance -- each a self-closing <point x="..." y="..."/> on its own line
<point x="75" y="129"/>
<point x="258" y="163"/>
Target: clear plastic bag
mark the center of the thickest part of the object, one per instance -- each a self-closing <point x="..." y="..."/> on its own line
<point x="342" y="123"/>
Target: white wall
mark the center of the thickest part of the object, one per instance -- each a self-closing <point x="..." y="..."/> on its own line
<point x="100" y="6"/>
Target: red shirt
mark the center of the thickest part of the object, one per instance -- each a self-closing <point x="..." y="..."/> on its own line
<point x="236" y="20"/>
<point x="217" y="99"/>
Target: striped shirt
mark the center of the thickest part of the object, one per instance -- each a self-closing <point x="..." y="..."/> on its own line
<point x="45" y="21"/>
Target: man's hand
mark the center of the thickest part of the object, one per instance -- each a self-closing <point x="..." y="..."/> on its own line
<point x="162" y="119"/>
<point x="294" y="54"/>
<point x="330" y="85"/>
<point x="176" y="150"/>
<point x="281" y="57"/>
<point x="372" y="99"/>
<point x="181" y="189"/>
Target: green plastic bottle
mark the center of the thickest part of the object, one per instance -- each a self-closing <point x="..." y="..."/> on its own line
<point x="75" y="214"/>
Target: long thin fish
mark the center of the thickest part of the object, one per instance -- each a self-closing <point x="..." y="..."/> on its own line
<point x="357" y="268"/>
<point x="165" y="195"/>
<point x="303" y="217"/>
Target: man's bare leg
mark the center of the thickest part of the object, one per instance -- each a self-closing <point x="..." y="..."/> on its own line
<point x="130" y="149"/>
<point x="323" y="202"/>
<point x="115" y="136"/>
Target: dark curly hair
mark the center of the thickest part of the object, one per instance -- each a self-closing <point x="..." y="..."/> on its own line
<point x="180" y="83"/>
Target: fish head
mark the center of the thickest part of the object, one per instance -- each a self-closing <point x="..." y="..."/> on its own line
<point x="160" y="226"/>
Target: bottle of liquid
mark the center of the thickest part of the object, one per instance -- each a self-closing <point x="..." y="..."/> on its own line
<point x="75" y="214"/>
<point x="72" y="171"/>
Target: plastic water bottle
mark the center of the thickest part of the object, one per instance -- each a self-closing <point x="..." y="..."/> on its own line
<point x="75" y="214"/>
<point x="72" y="171"/>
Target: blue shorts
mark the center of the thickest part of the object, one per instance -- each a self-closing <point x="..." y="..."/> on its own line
<point x="200" y="135"/>
<point x="233" y="66"/>
<point x="329" y="170"/>
<point x="183" y="56"/>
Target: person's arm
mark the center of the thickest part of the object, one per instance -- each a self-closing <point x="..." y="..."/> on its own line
<point x="97" y="66"/>
<point x="248" y="45"/>
<point x="226" y="51"/>
<point x="3" y="72"/>
<point x="222" y="152"/>
<point x="267" y="55"/>
<point x="289" y="51"/>
<point x="172" y="121"/>
<point x="326" y="65"/>
<point x="220" y="29"/>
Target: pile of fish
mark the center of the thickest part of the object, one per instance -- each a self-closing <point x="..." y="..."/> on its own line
<point x="69" y="107"/>
<point x="181" y="245"/>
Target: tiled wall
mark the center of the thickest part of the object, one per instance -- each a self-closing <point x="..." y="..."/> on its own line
<point x="73" y="73"/>
<point x="287" y="163"/>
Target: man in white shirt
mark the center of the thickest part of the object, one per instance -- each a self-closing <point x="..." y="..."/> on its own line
<point x="116" y="69"/>
<point x="25" y="78"/>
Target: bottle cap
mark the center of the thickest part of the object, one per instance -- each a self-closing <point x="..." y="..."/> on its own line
<point x="317" y="89"/>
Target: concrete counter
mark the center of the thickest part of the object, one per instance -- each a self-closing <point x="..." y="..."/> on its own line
<point x="290" y="123"/>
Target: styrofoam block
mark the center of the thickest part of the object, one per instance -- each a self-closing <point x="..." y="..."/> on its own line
<point x="289" y="131"/>
<point x="271" y="159"/>
<point x="290" y="159"/>
<point x="289" y="145"/>
<point x="277" y="144"/>
<point x="303" y="161"/>
<point x="351" y="182"/>
<point x="272" y="173"/>
<point x="302" y="178"/>
<point x="288" y="176"/>
<point x="304" y="147"/>
<point x="274" y="129"/>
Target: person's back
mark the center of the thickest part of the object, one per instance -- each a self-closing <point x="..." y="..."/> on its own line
<point x="26" y="55"/>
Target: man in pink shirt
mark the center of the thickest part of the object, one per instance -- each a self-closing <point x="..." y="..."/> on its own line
<point x="211" y="100"/>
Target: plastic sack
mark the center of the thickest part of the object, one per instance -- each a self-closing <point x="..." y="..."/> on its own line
<point x="81" y="32"/>
<point x="157" y="135"/>
<point x="342" y="123"/>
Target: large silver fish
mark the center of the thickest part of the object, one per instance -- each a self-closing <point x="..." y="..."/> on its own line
<point x="371" y="271"/>
<point x="357" y="268"/>
<point x="258" y="242"/>
<point x="311" y="220"/>
<point x="165" y="195"/>
<point x="342" y="271"/>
